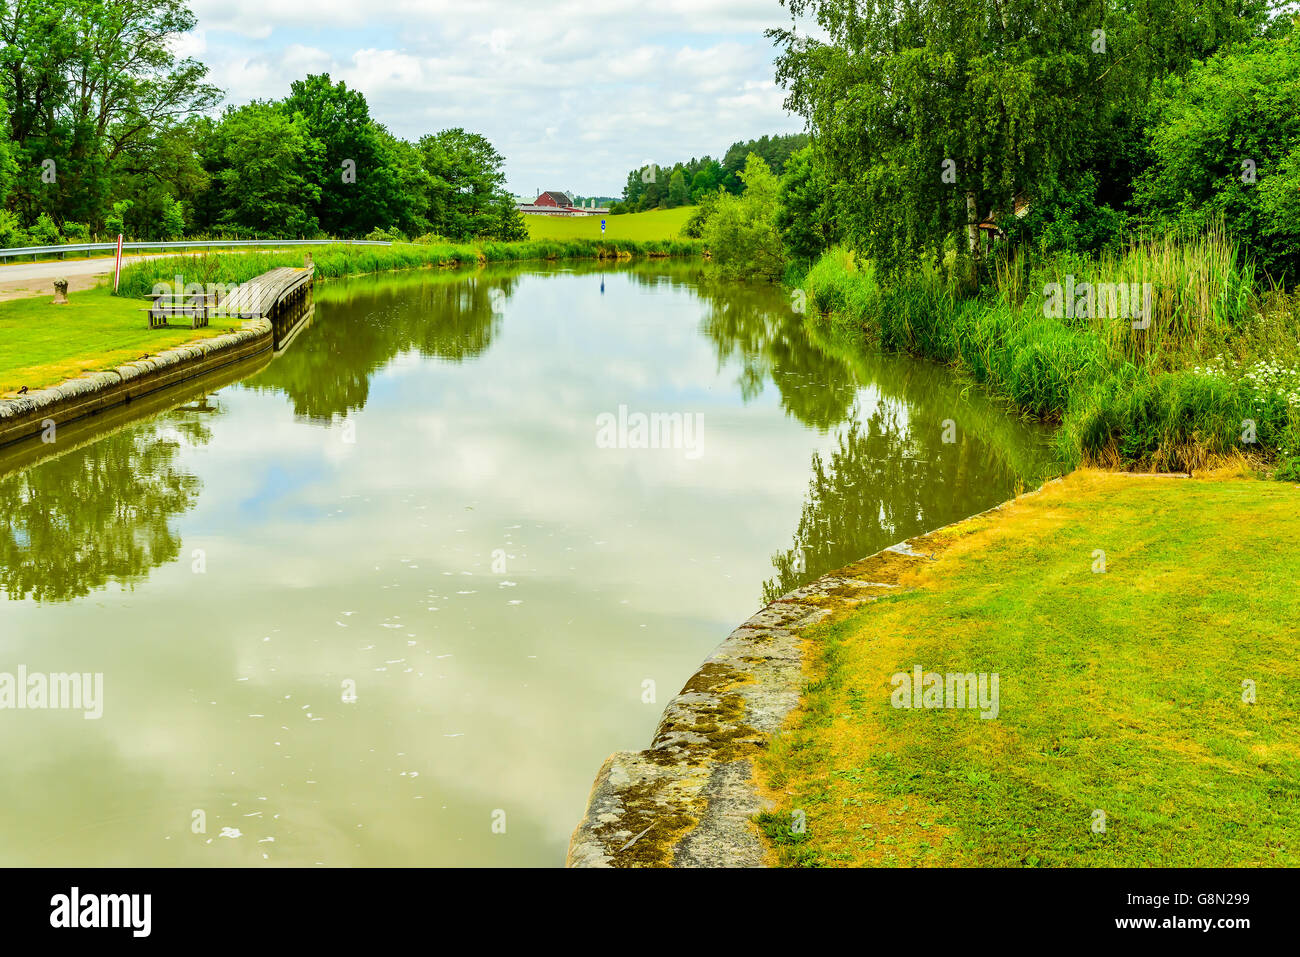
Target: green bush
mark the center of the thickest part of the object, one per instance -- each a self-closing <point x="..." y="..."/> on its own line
<point x="1225" y="146"/>
<point x="1167" y="420"/>
<point x="392" y="234"/>
<point x="12" y="233"/>
<point x="115" y="222"/>
<point x="171" y="219"/>
<point x="740" y="232"/>
<point x="45" y="231"/>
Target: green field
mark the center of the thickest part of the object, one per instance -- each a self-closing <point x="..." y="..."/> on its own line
<point x="654" y="224"/>
<point x="46" y="344"/>
<point x="1148" y="709"/>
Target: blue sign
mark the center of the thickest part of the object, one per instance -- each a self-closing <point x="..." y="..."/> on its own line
<point x="602" y="225"/>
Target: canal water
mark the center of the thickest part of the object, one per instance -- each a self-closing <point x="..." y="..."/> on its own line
<point x="392" y="597"/>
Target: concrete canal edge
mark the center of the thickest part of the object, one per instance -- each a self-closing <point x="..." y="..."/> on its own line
<point x="29" y="415"/>
<point x="688" y="799"/>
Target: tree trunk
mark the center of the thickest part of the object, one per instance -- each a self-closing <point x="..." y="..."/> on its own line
<point x="972" y="226"/>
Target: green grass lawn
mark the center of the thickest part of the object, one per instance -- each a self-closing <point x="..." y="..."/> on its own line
<point x="653" y="224"/>
<point x="1120" y="692"/>
<point x="45" y="344"/>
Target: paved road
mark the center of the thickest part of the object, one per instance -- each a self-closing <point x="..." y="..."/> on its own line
<point x="19" y="280"/>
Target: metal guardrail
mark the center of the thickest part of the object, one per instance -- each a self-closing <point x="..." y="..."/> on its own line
<point x="35" y="251"/>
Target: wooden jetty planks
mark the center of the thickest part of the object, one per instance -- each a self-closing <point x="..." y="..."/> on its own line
<point x="254" y="299"/>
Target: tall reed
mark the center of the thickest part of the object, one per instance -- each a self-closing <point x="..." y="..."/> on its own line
<point x="1133" y="380"/>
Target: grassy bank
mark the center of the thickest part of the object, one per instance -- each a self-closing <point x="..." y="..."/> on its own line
<point x="46" y="344"/>
<point x="1212" y="373"/>
<point x="1119" y="691"/>
<point x="655" y="224"/>
<point x="334" y="261"/>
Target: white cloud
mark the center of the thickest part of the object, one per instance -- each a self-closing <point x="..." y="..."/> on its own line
<point x="574" y="94"/>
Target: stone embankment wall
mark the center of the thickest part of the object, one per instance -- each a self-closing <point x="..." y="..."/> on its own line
<point x="688" y="799"/>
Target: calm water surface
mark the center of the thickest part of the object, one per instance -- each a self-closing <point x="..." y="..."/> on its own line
<point x="411" y="502"/>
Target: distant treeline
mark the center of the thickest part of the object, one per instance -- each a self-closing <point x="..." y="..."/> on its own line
<point x="656" y="186"/>
<point x="105" y="130"/>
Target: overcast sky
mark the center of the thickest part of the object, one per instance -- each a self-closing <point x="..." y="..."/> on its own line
<point x="573" y="94"/>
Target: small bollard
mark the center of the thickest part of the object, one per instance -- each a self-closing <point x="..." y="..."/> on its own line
<point x="306" y="262"/>
<point x="60" y="292"/>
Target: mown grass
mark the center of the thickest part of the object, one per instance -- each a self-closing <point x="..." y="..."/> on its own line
<point x="1213" y="375"/>
<point x="654" y="224"/>
<point x="1119" y="691"/>
<point x="333" y="261"/>
<point x="45" y="344"/>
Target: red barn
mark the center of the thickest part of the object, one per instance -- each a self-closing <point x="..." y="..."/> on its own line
<point x="554" y="197"/>
<point x="555" y="202"/>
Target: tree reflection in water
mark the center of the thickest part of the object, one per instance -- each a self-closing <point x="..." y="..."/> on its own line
<point x="98" y="514"/>
<point x="892" y="477"/>
<point x="327" y="372"/>
<point x="104" y="512"/>
<point x="754" y="325"/>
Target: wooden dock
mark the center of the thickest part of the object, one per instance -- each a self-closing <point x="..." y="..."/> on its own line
<point x="261" y="297"/>
<point x="281" y="295"/>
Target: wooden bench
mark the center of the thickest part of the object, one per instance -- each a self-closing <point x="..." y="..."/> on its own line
<point x="168" y="305"/>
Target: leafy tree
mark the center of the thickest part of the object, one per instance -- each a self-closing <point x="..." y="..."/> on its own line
<point x="115" y="222"/>
<point x="804" y="215"/>
<point x="467" y="194"/>
<point x="706" y="179"/>
<point x="740" y="233"/>
<point x="507" y="223"/>
<point x="106" y="126"/>
<point x="649" y="187"/>
<point x="412" y="182"/>
<point x="357" y="174"/>
<point x="171" y="224"/>
<point x="163" y="169"/>
<point x="264" y="162"/>
<point x="11" y="230"/>
<point x="1071" y="217"/>
<point x="773" y="150"/>
<point x="8" y="167"/>
<point x="1225" y="146"/>
<point x="678" y="194"/>
<point x="86" y="81"/>
<point x="938" y="115"/>
<point x="45" y="232"/>
<point x="707" y="204"/>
